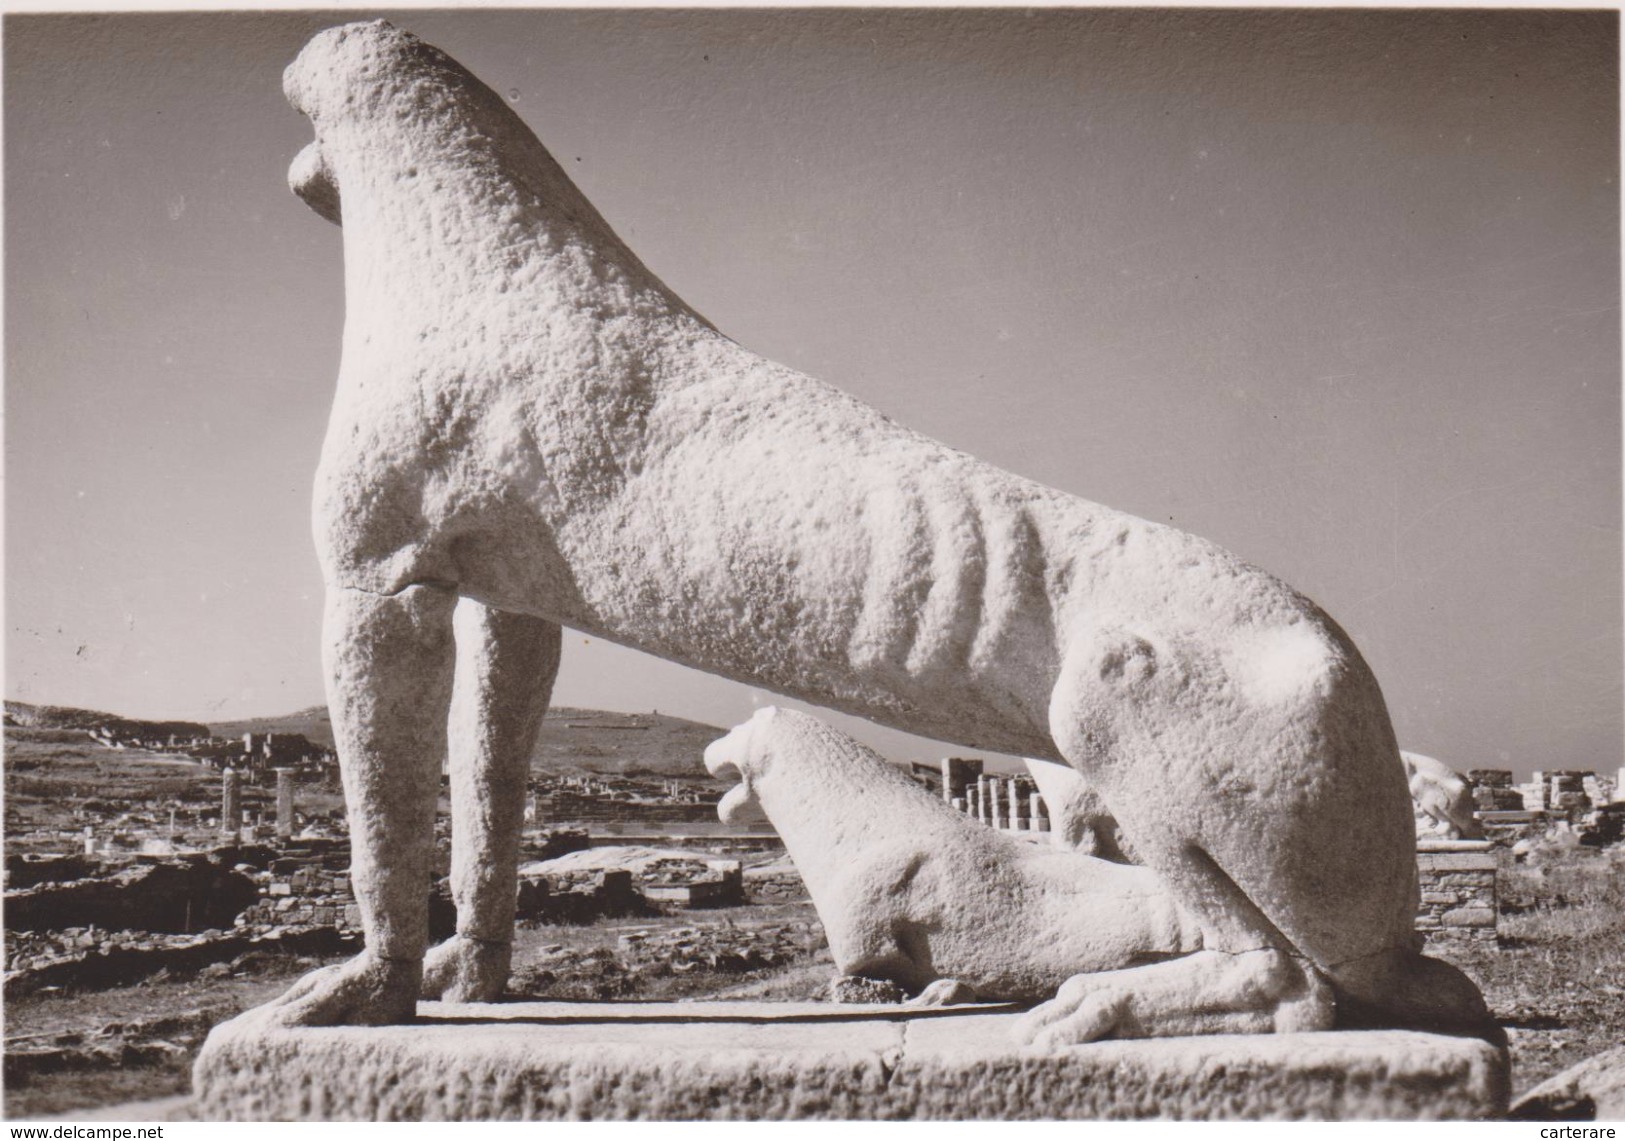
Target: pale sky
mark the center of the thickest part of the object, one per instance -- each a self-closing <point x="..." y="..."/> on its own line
<point x="1336" y="289"/>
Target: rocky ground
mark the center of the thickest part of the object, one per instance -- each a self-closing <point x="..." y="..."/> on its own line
<point x="1556" y="979"/>
<point x="72" y="1050"/>
<point x="68" y="1050"/>
<point x="1557" y="983"/>
<point x="681" y="957"/>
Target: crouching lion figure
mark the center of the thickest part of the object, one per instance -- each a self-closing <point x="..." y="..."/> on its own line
<point x="531" y="431"/>
<point x="913" y="892"/>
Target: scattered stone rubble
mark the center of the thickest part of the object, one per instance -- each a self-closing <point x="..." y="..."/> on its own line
<point x="114" y="1045"/>
<point x="173" y="896"/>
<point x="1551" y="802"/>
<point x="90" y="958"/>
<point x="662" y="875"/>
<point x="857" y="990"/>
<point x="721" y="947"/>
<point x="306" y="885"/>
<point x="642" y="956"/>
<point x="775" y="881"/>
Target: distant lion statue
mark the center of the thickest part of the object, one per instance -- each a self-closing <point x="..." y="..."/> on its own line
<point x="531" y="431"/>
<point x="1442" y="799"/>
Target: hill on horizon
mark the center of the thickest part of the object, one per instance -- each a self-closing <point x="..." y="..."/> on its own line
<point x="572" y="740"/>
<point x="32" y="716"/>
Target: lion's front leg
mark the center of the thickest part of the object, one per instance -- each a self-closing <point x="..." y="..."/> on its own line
<point x="506" y="664"/>
<point x="389" y="662"/>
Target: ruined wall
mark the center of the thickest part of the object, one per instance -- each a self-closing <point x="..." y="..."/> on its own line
<point x="175" y="896"/>
<point x="776" y="886"/>
<point x="1458" y="889"/>
<point x="572" y="808"/>
<point x="309" y="887"/>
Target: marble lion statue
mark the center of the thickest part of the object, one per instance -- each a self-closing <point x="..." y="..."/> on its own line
<point x="913" y="892"/>
<point x="531" y="431"/>
<point x="1442" y="799"/>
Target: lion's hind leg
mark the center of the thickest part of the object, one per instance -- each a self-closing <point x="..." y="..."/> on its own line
<point x="1209" y="992"/>
<point x="1231" y="758"/>
<point x="506" y="665"/>
<point x="1246" y="979"/>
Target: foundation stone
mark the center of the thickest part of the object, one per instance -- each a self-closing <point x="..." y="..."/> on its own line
<point x="772" y="1061"/>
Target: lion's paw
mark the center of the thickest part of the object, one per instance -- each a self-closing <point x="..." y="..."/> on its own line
<point x="944" y="992"/>
<point x="1261" y="991"/>
<point x="365" y="991"/>
<point x="1086" y="1008"/>
<point x="465" y="969"/>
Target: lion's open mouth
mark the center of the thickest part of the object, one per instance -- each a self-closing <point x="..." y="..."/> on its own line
<point x="739" y="802"/>
<point x="741" y="799"/>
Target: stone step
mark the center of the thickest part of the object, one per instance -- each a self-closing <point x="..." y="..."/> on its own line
<point x="789" y="1061"/>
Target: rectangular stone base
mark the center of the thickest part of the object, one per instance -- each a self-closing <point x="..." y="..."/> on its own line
<point x="778" y="1061"/>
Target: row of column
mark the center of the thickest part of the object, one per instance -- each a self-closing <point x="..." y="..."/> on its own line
<point x="999" y="802"/>
<point x="231" y="802"/>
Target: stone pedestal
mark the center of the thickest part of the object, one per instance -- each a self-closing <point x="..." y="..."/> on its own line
<point x="779" y="1061"/>
<point x="1458" y="895"/>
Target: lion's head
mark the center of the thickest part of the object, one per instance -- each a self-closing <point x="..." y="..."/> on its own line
<point x="380" y="98"/>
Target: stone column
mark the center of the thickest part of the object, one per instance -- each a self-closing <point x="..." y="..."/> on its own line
<point x="1018" y="808"/>
<point x="284" y="804"/>
<point x="998" y="814"/>
<point x="231" y="802"/>
<point x="983" y="809"/>
<point x="1039" y="814"/>
<point x="958" y="773"/>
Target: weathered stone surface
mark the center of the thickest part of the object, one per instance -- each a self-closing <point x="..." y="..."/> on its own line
<point x="1483" y="861"/>
<point x="911" y="891"/>
<point x="1458" y="888"/>
<point x="526" y="416"/>
<point x="761" y="1061"/>
<point x="1594" y="1090"/>
<point x="859" y="990"/>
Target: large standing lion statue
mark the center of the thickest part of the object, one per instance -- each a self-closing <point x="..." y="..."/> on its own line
<point x="531" y="431"/>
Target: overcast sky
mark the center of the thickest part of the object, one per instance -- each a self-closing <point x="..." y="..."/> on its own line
<point x="1336" y="289"/>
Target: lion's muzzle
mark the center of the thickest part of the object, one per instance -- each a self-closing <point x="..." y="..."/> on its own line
<point x="312" y="180"/>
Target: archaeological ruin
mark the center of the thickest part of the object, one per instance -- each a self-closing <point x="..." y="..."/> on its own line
<point x="1217" y="884"/>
